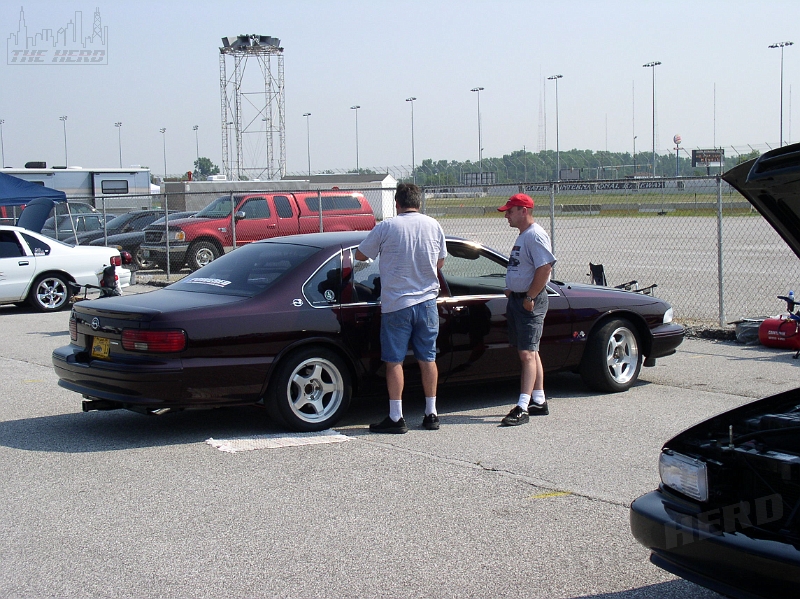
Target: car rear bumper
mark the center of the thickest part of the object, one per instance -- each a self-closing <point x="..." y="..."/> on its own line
<point x="161" y="382"/>
<point x="730" y="563"/>
<point x="666" y="338"/>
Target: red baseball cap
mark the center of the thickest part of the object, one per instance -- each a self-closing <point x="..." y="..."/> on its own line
<point x="519" y="199"/>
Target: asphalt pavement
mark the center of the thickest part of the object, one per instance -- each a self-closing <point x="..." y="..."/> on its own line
<point x="116" y="504"/>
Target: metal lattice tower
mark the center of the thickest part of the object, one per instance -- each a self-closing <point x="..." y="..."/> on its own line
<point x="253" y="119"/>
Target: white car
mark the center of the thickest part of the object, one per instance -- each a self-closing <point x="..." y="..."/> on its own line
<point x="38" y="269"/>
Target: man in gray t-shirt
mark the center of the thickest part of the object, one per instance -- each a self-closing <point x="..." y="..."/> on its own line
<point x="412" y="249"/>
<point x="529" y="267"/>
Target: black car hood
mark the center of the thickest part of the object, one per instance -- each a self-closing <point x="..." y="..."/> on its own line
<point x="120" y="239"/>
<point x="771" y="183"/>
<point x="35" y="214"/>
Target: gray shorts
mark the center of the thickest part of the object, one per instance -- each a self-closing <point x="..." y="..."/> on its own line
<point x="525" y="328"/>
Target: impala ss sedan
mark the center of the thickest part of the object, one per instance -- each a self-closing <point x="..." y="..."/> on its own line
<point x="292" y="323"/>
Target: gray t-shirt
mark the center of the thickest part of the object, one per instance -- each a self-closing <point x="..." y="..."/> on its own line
<point x="410" y="245"/>
<point x="531" y="250"/>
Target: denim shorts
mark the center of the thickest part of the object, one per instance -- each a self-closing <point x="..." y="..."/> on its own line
<point x="524" y="327"/>
<point x="417" y="325"/>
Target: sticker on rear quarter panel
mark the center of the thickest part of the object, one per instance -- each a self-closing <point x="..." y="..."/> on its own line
<point x="214" y="282"/>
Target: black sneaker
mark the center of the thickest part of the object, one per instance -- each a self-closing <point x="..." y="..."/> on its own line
<point x="387" y="425"/>
<point x="535" y="409"/>
<point x="431" y="422"/>
<point x="515" y="417"/>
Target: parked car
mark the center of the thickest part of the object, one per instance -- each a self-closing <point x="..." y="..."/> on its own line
<point x="126" y="233"/>
<point x="217" y="228"/>
<point x="61" y="227"/>
<point x="292" y="323"/>
<point x="725" y="515"/>
<point x="37" y="269"/>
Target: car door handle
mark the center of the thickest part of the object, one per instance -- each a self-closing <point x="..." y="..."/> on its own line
<point x="23" y="263"/>
<point x="271" y="226"/>
<point x="459" y="309"/>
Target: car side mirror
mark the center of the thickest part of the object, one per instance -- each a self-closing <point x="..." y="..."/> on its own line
<point x="240" y="215"/>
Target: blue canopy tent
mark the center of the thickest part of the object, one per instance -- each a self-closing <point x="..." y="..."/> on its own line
<point x="37" y="199"/>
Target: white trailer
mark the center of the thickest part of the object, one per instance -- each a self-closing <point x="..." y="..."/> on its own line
<point x="114" y="189"/>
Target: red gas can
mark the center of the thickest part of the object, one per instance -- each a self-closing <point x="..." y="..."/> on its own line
<point x="782" y="332"/>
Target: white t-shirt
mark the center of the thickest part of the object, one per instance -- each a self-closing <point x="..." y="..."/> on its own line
<point x="531" y="250"/>
<point x="410" y="245"/>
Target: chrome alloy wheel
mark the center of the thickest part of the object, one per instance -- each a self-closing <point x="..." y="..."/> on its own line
<point x="315" y="390"/>
<point x="622" y="355"/>
<point x="51" y="293"/>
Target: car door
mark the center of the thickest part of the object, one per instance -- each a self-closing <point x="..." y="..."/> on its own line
<point x="258" y="222"/>
<point x="16" y="267"/>
<point x="361" y="323"/>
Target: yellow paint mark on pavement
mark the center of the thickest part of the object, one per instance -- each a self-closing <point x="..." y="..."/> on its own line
<point x="549" y="495"/>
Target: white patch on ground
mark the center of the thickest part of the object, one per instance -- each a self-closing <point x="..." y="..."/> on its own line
<point x="277" y="441"/>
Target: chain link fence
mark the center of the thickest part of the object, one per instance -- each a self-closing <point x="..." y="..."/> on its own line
<point x="711" y="255"/>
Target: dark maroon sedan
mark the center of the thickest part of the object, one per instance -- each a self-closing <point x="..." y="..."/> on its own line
<point x="292" y="324"/>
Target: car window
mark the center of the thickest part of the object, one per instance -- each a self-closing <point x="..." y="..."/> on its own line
<point x="219" y="208"/>
<point x="249" y="270"/>
<point x="283" y="207"/>
<point x="255" y="208"/>
<point x="469" y="270"/>
<point x="9" y="245"/>
<point x="325" y="287"/>
<point x="37" y="246"/>
<point x="142" y="221"/>
<point x="366" y="280"/>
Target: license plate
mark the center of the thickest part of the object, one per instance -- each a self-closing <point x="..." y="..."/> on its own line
<point x="146" y="253"/>
<point x="100" y="347"/>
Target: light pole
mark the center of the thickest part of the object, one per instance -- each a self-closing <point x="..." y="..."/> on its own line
<point x="118" y="125"/>
<point x="634" y="155"/>
<point x="308" y="140"/>
<point x="782" y="45"/>
<point x="413" y="158"/>
<point x="63" y="119"/>
<point x="2" y="147"/>
<point x="164" y="138"/>
<point x="480" y="140"/>
<point x="356" y="109"/>
<point x="653" y="65"/>
<point x="196" y="142"/>
<point x="558" y="155"/>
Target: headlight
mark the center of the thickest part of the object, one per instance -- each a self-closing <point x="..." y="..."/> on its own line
<point x="668" y="316"/>
<point x="684" y="474"/>
<point x="177" y="235"/>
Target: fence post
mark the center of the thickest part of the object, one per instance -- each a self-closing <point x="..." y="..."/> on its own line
<point x="233" y="223"/>
<point x="166" y="229"/>
<point x="105" y="223"/>
<point x="553" y="220"/>
<point x="319" y="209"/>
<point x="720" y="277"/>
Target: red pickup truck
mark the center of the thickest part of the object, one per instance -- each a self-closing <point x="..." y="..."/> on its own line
<point x="217" y="229"/>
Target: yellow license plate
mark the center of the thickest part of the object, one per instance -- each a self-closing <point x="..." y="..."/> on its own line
<point x="100" y="347"/>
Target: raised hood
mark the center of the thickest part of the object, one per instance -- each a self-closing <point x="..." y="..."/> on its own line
<point x="771" y="183"/>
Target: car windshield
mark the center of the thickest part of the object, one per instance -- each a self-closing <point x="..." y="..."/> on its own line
<point x="118" y="221"/>
<point x="219" y="208"/>
<point x="246" y="271"/>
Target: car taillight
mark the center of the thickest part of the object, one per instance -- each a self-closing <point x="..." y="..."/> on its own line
<point x="73" y="329"/>
<point x="153" y="341"/>
<point x="116" y="260"/>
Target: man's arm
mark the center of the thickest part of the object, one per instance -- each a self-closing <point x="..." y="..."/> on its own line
<point x="360" y="256"/>
<point x="540" y="278"/>
<point x="440" y="263"/>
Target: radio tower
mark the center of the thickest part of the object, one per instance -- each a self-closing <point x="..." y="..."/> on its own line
<point x="253" y="122"/>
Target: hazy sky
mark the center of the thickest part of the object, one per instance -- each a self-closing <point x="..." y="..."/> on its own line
<point x="163" y="71"/>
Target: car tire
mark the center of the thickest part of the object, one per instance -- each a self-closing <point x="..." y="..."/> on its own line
<point x="612" y="358"/>
<point x="139" y="261"/>
<point x="50" y="293"/>
<point x="202" y="253"/>
<point x="174" y="267"/>
<point x="310" y="391"/>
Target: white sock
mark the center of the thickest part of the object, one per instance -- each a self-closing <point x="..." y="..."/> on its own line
<point x="430" y="405"/>
<point x="524" y="400"/>
<point x="538" y="397"/>
<point x="395" y="409"/>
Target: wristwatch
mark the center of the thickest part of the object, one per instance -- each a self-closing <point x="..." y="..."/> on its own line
<point x="529" y="298"/>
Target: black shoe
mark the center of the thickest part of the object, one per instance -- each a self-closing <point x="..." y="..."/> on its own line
<point x="431" y="422"/>
<point x="515" y="417"/>
<point x="535" y="409"/>
<point x="387" y="425"/>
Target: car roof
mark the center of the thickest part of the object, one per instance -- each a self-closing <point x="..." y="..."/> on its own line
<point x="321" y="240"/>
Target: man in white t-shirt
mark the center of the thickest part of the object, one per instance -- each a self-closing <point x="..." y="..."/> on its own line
<point x="412" y="249"/>
<point x="529" y="267"/>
